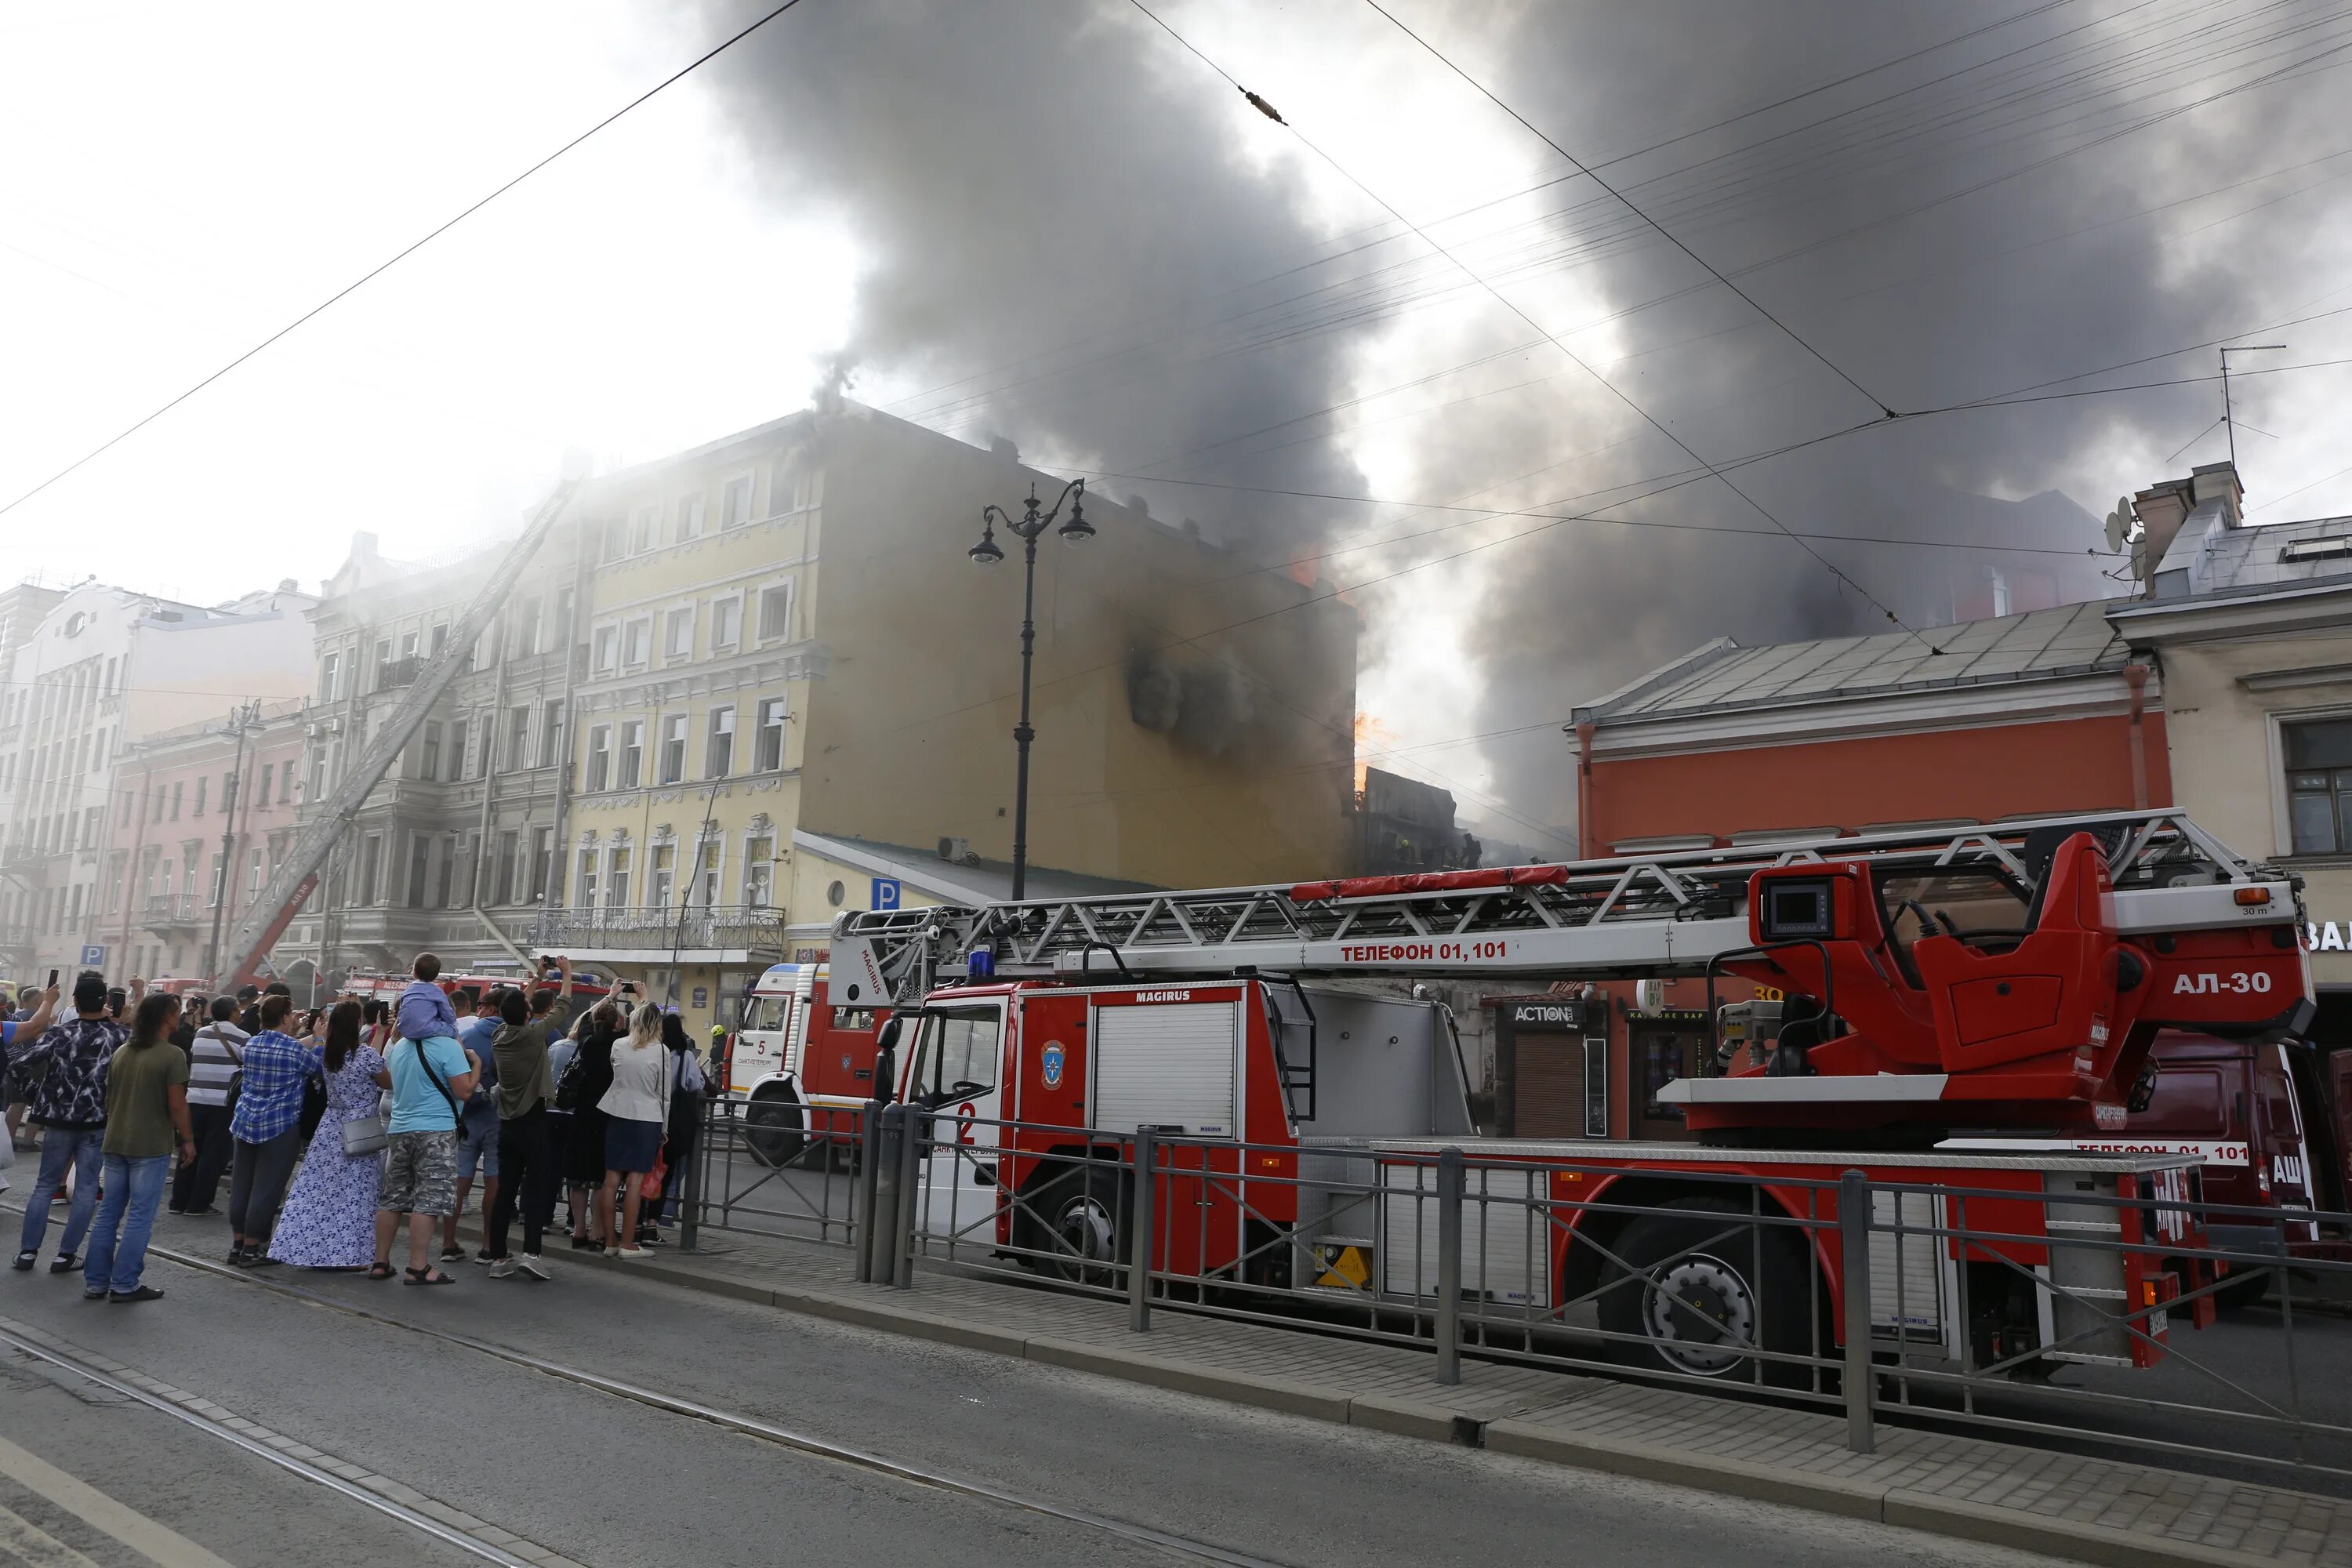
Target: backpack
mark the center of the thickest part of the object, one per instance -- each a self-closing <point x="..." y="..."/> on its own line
<point x="573" y="1083"/>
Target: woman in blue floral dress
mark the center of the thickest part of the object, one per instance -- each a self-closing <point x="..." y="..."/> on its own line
<point x="329" y="1221"/>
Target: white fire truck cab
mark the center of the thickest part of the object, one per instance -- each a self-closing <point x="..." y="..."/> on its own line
<point x="802" y="1068"/>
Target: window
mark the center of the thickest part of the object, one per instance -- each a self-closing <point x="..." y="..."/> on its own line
<point x="704" y="893"/>
<point x="526" y="626"/>
<point x="673" y="749"/>
<point x="542" y="865"/>
<point x="407" y="645"/>
<point x="213" y="883"/>
<point x="637" y="642"/>
<point x="318" y="772"/>
<point x="584" y="888"/>
<point x="788" y="484"/>
<point x="718" y="746"/>
<point x="261" y="785"/>
<point x="446" y="886"/>
<point x="505" y="869"/>
<point x="329" y="668"/>
<point x="646" y="533"/>
<point x="633" y="752"/>
<point x="456" y="750"/>
<point x="2319" y="786"/>
<point x="439" y="640"/>
<point x="677" y="634"/>
<point x="776" y="612"/>
<point x="432" y="761"/>
<point x="518" y="738"/>
<point x="122" y="818"/>
<point x="89" y="826"/>
<point x="608" y="650"/>
<point x="253" y="877"/>
<point x="664" y="877"/>
<point x="759" y="867"/>
<point x="228" y="791"/>
<point x="551" y="734"/>
<point x="420" y="855"/>
<point x="600" y="757"/>
<point x="286" y="781"/>
<point x="382" y="660"/>
<point x="735" y="502"/>
<point x="617" y="890"/>
<point x="689" y="518"/>
<point x="768" y="755"/>
<point x="98" y="751"/>
<point x="371" y="862"/>
<point x="726" y="623"/>
<point x="175" y="802"/>
<point x="198" y="809"/>
<point x="615" y="543"/>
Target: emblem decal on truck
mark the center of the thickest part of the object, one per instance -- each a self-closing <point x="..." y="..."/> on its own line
<point x="1049" y="1064"/>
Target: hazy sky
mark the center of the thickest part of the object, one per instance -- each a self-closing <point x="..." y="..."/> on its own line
<point x="1045" y="218"/>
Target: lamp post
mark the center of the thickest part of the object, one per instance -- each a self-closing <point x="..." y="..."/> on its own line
<point x="1033" y="521"/>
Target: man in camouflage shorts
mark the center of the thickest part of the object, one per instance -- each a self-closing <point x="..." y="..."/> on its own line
<point x="430" y="1080"/>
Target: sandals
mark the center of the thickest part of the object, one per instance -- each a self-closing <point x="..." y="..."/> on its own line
<point x="428" y="1275"/>
<point x="378" y="1271"/>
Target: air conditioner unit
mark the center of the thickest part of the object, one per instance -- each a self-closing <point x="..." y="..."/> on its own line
<point x="334" y="726"/>
<point x="955" y="851"/>
<point x="310" y="731"/>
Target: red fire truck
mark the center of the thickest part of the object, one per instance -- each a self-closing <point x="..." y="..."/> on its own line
<point x="803" y="1068"/>
<point x="1085" y="1021"/>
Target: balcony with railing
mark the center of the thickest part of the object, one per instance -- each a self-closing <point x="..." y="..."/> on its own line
<point x="174" y="911"/>
<point x="731" y="933"/>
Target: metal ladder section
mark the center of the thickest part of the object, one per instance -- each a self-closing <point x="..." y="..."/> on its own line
<point x="265" y="919"/>
<point x="1655" y="914"/>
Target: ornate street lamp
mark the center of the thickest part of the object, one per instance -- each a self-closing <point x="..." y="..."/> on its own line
<point x="1033" y="523"/>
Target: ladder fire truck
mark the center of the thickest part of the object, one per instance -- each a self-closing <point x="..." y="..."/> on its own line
<point x="1938" y="984"/>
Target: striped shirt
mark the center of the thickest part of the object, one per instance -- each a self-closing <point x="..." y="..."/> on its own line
<point x="210" y="1065"/>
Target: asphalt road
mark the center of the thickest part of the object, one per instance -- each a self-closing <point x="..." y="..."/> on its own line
<point x="608" y="1480"/>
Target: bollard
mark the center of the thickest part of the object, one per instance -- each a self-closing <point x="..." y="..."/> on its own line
<point x="910" y="1190"/>
<point x="869" y="1184"/>
<point x="1861" y="1380"/>
<point x="689" y="1191"/>
<point x="1448" y="1327"/>
<point x="1139" y="1242"/>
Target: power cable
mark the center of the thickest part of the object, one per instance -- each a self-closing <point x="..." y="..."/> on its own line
<point x="1578" y="164"/>
<point x="1659" y="424"/>
<point x="399" y="256"/>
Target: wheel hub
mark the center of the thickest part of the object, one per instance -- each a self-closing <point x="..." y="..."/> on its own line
<point x="1700" y="1313"/>
<point x="1085" y="1231"/>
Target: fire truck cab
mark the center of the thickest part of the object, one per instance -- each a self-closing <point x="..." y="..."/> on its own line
<point x="1291" y="1070"/>
<point x="802" y="1068"/>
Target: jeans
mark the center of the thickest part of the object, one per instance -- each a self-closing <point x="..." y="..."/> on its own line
<point x="529" y="1176"/>
<point x="134" y="1191"/>
<point x="198" y="1183"/>
<point x="59" y="1148"/>
<point x="259" y="1183"/>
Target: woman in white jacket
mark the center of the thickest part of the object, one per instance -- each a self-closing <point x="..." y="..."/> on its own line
<point x="635" y="1109"/>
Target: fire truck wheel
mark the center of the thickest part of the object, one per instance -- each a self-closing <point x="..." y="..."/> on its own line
<point x="1084" y="1214"/>
<point x="774" y="1129"/>
<point x="1697" y="1286"/>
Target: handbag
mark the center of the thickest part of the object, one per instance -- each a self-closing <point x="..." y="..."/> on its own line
<point x="574" y="1080"/>
<point x="364" y="1135"/>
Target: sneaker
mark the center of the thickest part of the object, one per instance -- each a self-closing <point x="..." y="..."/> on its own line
<point x="532" y="1265"/>
<point x="452" y="1254"/>
<point x="484" y="1257"/>
<point x="502" y="1268"/>
<point x="144" y="1293"/>
<point x="236" y="1257"/>
<point x="25" y="1262"/>
<point x="632" y="1254"/>
<point x="587" y="1244"/>
<point x="93" y="1295"/>
<point x="64" y="1263"/>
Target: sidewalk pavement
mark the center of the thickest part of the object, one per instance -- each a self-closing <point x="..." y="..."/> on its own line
<point x="2088" y="1509"/>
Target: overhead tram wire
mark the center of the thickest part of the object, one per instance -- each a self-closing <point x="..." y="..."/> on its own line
<point x="402" y="254"/>
<point x="1662" y="232"/>
<point x="1659" y="424"/>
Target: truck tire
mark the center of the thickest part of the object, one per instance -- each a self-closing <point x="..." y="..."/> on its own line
<point x="775" y="1129"/>
<point x="1696" y="1285"/>
<point x="1085" y="1218"/>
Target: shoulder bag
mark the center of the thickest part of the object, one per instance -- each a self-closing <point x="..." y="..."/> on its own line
<point x="456" y="1112"/>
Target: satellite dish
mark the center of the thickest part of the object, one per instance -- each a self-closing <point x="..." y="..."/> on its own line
<point x="2120" y="524"/>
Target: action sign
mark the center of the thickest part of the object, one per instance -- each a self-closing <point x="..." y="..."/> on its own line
<point x="885" y="893"/>
<point x="93" y="957"/>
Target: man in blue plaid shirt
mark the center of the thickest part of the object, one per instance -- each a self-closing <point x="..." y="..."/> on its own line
<point x="268" y="1127"/>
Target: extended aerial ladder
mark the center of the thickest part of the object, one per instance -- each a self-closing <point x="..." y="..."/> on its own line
<point x="265" y="917"/>
<point x="2132" y="922"/>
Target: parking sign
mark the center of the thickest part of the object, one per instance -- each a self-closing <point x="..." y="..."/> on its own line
<point x="885" y="893"/>
<point x="93" y="957"/>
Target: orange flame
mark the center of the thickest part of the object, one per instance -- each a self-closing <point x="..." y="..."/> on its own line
<point x="1371" y="736"/>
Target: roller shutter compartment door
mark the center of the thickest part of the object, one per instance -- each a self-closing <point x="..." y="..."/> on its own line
<point x="1168" y="1065"/>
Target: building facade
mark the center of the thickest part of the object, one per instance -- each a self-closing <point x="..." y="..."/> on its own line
<point x="454" y="850"/>
<point x="104" y="669"/>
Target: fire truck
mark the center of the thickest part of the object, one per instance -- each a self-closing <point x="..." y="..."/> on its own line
<point x="1052" y="1032"/>
<point x="802" y="1068"/>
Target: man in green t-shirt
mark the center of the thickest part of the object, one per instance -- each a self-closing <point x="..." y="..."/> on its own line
<point x="146" y="1106"/>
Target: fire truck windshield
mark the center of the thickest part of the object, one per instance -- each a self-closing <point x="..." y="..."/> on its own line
<point x="767" y="1012"/>
<point x="959" y="1053"/>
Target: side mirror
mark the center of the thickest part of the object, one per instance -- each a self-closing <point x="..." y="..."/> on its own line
<point x="885" y="1060"/>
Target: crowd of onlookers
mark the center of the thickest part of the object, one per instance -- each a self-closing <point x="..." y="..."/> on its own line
<point x="333" y="1124"/>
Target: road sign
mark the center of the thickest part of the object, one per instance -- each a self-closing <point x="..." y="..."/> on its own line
<point x="885" y="893"/>
<point x="701" y="997"/>
<point x="93" y="956"/>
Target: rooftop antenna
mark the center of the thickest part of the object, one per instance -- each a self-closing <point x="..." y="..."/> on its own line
<point x="2228" y="424"/>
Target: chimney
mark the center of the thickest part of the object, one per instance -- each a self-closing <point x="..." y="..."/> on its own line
<point x="364" y="545"/>
<point x="2161" y="510"/>
<point x="2208" y="481"/>
<point x="1002" y="448"/>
